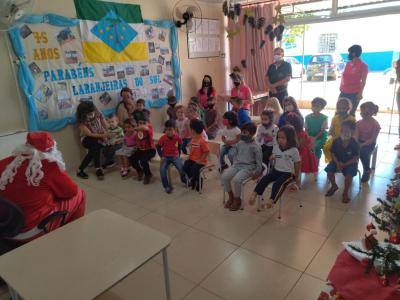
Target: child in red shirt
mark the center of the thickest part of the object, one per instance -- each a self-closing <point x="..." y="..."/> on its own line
<point x="198" y="154"/>
<point x="145" y="149"/>
<point x="169" y="149"/>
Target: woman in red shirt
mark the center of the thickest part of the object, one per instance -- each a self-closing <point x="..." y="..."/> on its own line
<point x="241" y="90"/>
<point x="207" y="91"/>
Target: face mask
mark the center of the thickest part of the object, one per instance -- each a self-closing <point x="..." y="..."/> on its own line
<point x="207" y="84"/>
<point x="245" y="138"/>
<point x="266" y="125"/>
<point x="172" y="104"/>
<point x="277" y="58"/>
<point x="342" y="113"/>
<point x="210" y="106"/>
<point x="345" y="136"/>
<point x="236" y="84"/>
<point x="350" y="56"/>
<point x="225" y="122"/>
<point x="289" y="107"/>
<point x="91" y="116"/>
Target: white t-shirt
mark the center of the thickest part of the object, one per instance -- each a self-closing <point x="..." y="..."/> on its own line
<point x="284" y="160"/>
<point x="230" y="134"/>
<point x="266" y="136"/>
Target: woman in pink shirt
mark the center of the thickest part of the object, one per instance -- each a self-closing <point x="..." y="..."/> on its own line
<point x="207" y="91"/>
<point x="367" y="129"/>
<point x="241" y="90"/>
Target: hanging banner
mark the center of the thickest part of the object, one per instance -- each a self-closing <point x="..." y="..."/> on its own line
<point x="64" y="61"/>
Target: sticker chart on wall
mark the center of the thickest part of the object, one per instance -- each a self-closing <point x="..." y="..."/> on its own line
<point x="64" y="61"/>
<point x="205" y="39"/>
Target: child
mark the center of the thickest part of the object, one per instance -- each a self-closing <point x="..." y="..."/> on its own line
<point x="274" y="105"/>
<point x="182" y="126"/>
<point x="368" y="129"/>
<point x="289" y="105"/>
<point x="93" y="131"/>
<point x="195" y="102"/>
<point x="193" y="114"/>
<point x="128" y="147"/>
<point x="168" y="148"/>
<point x="247" y="163"/>
<point x="211" y="119"/>
<point x="145" y="148"/>
<point x="316" y="125"/>
<point x="343" y="108"/>
<point x="309" y="162"/>
<point x="198" y="154"/>
<point x="266" y="134"/>
<point x="345" y="154"/>
<point x="114" y="142"/>
<point x="286" y="168"/>
<point x="171" y="108"/>
<point x="140" y="110"/>
<point x="243" y="114"/>
<point x="230" y="137"/>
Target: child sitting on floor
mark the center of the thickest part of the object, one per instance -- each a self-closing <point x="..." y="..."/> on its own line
<point x="128" y="147"/>
<point x="247" y="163"/>
<point x="242" y="113"/>
<point x="183" y="127"/>
<point x="168" y="148"/>
<point x="316" y="125"/>
<point x="345" y="153"/>
<point x="367" y="129"/>
<point x="198" y="154"/>
<point x="145" y="149"/>
<point x="274" y="105"/>
<point x="230" y="137"/>
<point x="289" y="105"/>
<point x="114" y="142"/>
<point x="211" y="119"/>
<point x="309" y="162"/>
<point x="286" y="167"/>
<point x="343" y="108"/>
<point x="140" y="110"/>
<point x="266" y="134"/>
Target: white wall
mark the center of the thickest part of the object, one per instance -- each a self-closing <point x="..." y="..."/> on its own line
<point x="11" y="113"/>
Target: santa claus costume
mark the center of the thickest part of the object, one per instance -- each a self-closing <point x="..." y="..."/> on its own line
<point x="34" y="178"/>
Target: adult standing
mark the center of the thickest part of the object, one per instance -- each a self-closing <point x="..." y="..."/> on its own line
<point x="279" y="74"/>
<point x="354" y="78"/>
<point x="206" y="91"/>
<point x="34" y="178"/>
<point x="241" y="90"/>
<point x="397" y="68"/>
<point x="126" y="107"/>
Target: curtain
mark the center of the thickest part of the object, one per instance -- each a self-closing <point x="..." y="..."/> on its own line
<point x="241" y="45"/>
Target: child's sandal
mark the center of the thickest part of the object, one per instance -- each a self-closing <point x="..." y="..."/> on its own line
<point x="269" y="204"/>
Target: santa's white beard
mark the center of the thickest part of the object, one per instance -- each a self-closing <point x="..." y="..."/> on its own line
<point x="33" y="171"/>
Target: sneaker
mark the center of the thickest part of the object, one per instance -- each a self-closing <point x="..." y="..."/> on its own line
<point x="124" y="173"/>
<point x="100" y="174"/>
<point x="365" y="177"/>
<point x="147" y="179"/>
<point x="168" y="190"/>
<point x="82" y="174"/>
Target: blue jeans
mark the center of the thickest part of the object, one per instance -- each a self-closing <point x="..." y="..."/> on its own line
<point x="176" y="161"/>
<point x="225" y="151"/>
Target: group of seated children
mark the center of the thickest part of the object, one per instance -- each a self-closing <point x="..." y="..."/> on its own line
<point x="295" y="146"/>
<point x="285" y="142"/>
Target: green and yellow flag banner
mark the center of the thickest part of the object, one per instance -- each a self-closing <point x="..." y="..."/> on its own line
<point x="111" y="32"/>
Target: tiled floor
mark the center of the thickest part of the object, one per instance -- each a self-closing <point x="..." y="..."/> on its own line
<point x="217" y="254"/>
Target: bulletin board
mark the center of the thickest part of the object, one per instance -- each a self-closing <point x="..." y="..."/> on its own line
<point x="56" y="71"/>
<point x="205" y="39"/>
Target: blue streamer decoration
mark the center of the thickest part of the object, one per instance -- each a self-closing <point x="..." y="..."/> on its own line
<point x="27" y="82"/>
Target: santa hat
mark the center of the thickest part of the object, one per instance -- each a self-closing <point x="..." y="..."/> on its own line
<point x="40" y="140"/>
<point x="39" y="146"/>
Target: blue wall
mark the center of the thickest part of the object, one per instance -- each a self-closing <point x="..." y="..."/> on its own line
<point x="376" y="61"/>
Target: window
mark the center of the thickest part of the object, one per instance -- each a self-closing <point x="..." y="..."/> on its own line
<point x="327" y="42"/>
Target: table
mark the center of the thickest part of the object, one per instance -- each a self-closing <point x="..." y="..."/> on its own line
<point x="82" y="259"/>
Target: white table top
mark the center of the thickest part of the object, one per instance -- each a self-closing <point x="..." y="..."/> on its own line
<point x="82" y="259"/>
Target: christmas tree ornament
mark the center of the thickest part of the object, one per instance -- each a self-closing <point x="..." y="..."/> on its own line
<point x="370" y="226"/>
<point x="370" y="241"/>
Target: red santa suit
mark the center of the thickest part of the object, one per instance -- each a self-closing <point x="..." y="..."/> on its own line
<point x="34" y="178"/>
